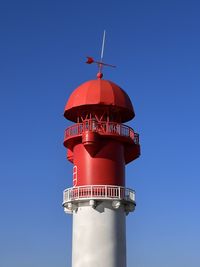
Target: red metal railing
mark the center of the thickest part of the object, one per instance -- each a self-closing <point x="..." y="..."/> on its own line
<point x="109" y="128"/>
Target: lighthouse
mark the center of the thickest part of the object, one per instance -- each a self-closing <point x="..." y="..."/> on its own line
<point x="99" y="145"/>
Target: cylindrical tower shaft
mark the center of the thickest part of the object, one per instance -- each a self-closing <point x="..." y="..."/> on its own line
<point x="107" y="166"/>
<point x="99" y="236"/>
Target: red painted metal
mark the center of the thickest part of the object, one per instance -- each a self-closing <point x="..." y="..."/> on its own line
<point x="118" y="131"/>
<point x="99" y="145"/>
<point x="97" y="96"/>
<point x="105" y="167"/>
<point x="99" y="75"/>
<point x="90" y="60"/>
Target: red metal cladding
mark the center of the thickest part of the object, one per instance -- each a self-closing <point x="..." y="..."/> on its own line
<point x="107" y="166"/>
<point x="99" y="94"/>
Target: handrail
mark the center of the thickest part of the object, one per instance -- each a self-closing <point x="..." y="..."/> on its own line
<point x="98" y="192"/>
<point x="103" y="127"/>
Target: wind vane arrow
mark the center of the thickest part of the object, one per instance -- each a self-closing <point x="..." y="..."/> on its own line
<point x="91" y="60"/>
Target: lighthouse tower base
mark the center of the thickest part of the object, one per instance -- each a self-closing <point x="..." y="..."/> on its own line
<point x="99" y="235"/>
<point x="99" y="224"/>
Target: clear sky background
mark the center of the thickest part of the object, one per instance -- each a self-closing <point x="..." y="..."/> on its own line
<point x="156" y="47"/>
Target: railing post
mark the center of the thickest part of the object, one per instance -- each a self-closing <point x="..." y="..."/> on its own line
<point x="119" y="189"/>
<point x="91" y="191"/>
<point x="106" y="188"/>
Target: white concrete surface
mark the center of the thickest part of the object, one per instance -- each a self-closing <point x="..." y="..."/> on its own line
<point x="99" y="236"/>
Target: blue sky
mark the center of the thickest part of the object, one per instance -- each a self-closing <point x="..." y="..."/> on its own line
<point x="155" y="45"/>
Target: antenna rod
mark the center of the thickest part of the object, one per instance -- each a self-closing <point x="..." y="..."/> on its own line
<point x="103" y="43"/>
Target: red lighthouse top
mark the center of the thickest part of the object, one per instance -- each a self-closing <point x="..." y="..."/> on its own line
<point x="99" y="95"/>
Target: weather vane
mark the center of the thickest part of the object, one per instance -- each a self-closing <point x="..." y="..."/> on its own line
<point x="100" y="63"/>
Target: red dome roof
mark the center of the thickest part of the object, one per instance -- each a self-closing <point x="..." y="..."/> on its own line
<point x="99" y="93"/>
